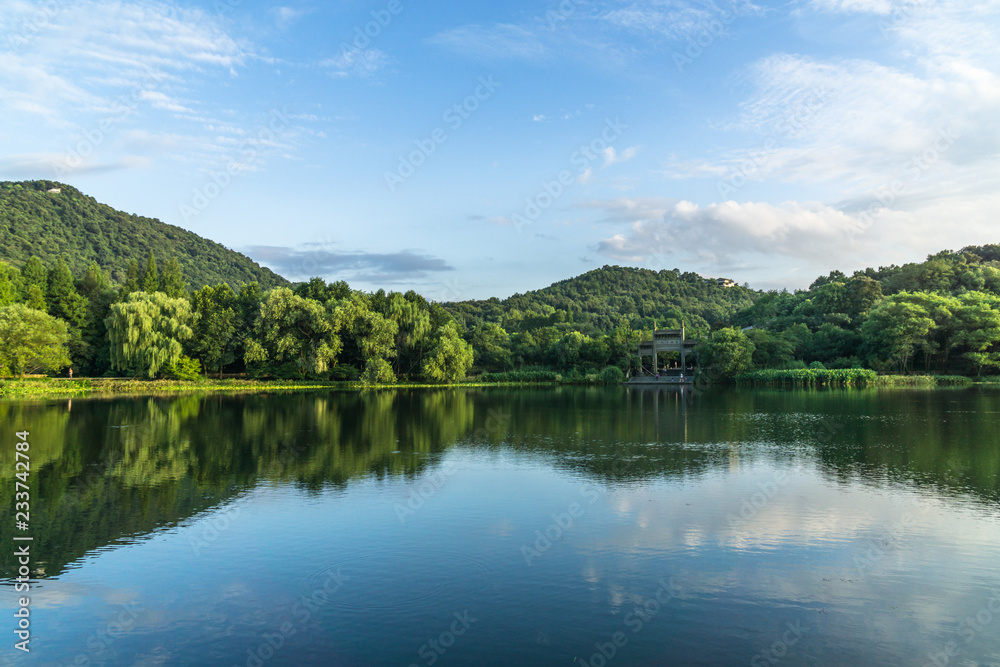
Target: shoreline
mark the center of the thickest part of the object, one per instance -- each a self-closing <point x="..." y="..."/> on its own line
<point x="14" y="389"/>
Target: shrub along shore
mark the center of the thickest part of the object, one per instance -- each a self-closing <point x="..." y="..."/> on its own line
<point x="64" y="388"/>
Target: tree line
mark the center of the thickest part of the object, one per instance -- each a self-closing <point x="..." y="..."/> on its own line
<point x="153" y="326"/>
<point x="939" y="316"/>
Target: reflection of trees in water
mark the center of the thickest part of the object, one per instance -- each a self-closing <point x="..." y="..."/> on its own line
<point x="111" y="469"/>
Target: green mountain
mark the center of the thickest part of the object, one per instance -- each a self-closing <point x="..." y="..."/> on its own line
<point x="49" y="219"/>
<point x="595" y="302"/>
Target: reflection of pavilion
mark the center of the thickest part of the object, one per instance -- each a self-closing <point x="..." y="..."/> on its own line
<point x="665" y="340"/>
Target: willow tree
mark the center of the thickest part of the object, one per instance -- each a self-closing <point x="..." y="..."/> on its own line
<point x="31" y="340"/>
<point x="371" y="335"/>
<point x="291" y="330"/>
<point x="450" y="358"/>
<point x="147" y="332"/>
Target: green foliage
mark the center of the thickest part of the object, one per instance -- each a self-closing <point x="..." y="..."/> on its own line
<point x="214" y="339"/>
<point x="521" y="377"/>
<point x="150" y="276"/>
<point x="147" y="332"/>
<point x="378" y="371"/>
<point x="293" y="330"/>
<point x="597" y="302"/>
<point x="31" y="341"/>
<point x="172" y="281"/>
<point x="450" y="357"/>
<point x="36" y="222"/>
<point x="185" y="368"/>
<point x="63" y="299"/>
<point x="809" y="377"/>
<point x="33" y="273"/>
<point x="612" y="375"/>
<point x="10" y="284"/>
<point x="35" y="298"/>
<point x="728" y="352"/>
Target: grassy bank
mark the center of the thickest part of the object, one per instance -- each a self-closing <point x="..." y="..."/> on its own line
<point x="850" y="377"/>
<point x="63" y="388"/>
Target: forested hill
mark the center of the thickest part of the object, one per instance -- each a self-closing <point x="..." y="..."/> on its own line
<point x="37" y="220"/>
<point x="596" y="302"/>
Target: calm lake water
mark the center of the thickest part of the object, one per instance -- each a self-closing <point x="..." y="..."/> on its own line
<point x="557" y="526"/>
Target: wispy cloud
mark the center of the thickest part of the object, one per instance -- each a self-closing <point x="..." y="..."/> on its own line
<point x="611" y="156"/>
<point x="499" y="41"/>
<point x="307" y="261"/>
<point x="355" y="62"/>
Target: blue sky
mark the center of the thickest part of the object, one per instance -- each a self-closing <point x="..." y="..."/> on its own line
<point x="471" y="150"/>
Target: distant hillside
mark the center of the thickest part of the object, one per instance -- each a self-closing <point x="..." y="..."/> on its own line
<point x="596" y="301"/>
<point x="35" y="221"/>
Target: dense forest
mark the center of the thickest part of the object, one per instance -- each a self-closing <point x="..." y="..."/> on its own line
<point x="151" y="319"/>
<point x="939" y="316"/>
<point x="50" y="220"/>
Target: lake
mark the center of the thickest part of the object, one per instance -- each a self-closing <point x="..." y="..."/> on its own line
<point x="495" y="526"/>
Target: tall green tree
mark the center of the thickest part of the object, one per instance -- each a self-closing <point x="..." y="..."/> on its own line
<point x="150" y="277"/>
<point x="147" y="332"/>
<point x="172" y="281"/>
<point x="894" y="331"/>
<point x="728" y="352"/>
<point x="34" y="273"/>
<point x="10" y="284"/>
<point x="293" y="333"/>
<point x="370" y="334"/>
<point x="63" y="299"/>
<point x="978" y="329"/>
<point x="215" y="328"/>
<point x="133" y="279"/>
<point x="96" y="287"/>
<point x="32" y="340"/>
<point x="450" y="358"/>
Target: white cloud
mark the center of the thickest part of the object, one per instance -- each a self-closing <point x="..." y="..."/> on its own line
<point x="498" y="41"/>
<point x="356" y="63"/>
<point x="161" y="101"/>
<point x="860" y="6"/>
<point x="85" y="55"/>
<point x="611" y="156"/>
<point x="678" y="19"/>
<point x="284" y="17"/>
